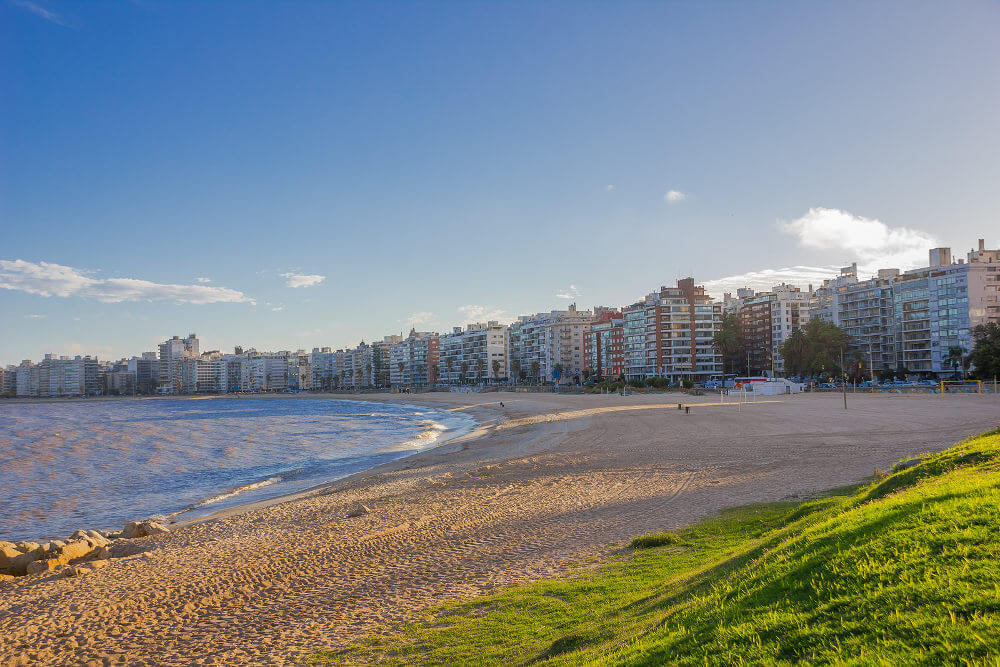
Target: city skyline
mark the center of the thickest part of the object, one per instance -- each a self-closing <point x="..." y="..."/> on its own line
<point x="358" y="172"/>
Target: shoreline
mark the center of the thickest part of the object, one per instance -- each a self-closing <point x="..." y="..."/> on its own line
<point x="567" y="480"/>
<point x="191" y="514"/>
<point x="475" y="429"/>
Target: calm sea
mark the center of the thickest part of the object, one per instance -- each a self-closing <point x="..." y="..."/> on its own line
<point x="98" y="464"/>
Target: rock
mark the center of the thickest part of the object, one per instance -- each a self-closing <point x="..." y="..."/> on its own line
<point x="77" y="549"/>
<point x="145" y="528"/>
<point x="116" y="535"/>
<point x="69" y="571"/>
<point x="98" y="537"/>
<point x="102" y="553"/>
<point x="78" y="535"/>
<point x="8" y="551"/>
<point x="6" y="577"/>
<point x="358" y="511"/>
<point x="19" y="563"/>
<point x="47" y="565"/>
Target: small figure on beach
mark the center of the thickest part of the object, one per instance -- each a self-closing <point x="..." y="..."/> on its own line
<point x="501" y="404"/>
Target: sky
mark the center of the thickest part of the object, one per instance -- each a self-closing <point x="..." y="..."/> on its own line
<point x="292" y="175"/>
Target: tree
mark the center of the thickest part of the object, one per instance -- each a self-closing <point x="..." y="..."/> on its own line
<point x="558" y="368"/>
<point x="515" y="370"/>
<point x="535" y="369"/>
<point x="449" y="362"/>
<point x="815" y="349"/>
<point x="728" y="340"/>
<point x="985" y="357"/>
<point x="479" y="370"/>
<point x="496" y="368"/>
<point x="464" y="370"/>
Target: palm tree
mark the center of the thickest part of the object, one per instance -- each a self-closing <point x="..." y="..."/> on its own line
<point x="535" y="368"/>
<point x="479" y="370"/>
<point x="496" y="368"/>
<point x="449" y="362"/>
<point x="464" y="372"/>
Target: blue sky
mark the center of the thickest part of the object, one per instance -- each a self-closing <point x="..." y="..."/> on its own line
<point x="287" y="175"/>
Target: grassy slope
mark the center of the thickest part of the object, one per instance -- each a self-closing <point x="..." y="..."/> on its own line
<point x="904" y="570"/>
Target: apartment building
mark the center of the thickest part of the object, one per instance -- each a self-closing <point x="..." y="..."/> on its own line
<point x="936" y="307"/>
<point x="413" y="361"/>
<point x="548" y="347"/>
<point x="476" y="353"/>
<point x="669" y="334"/>
<point x="58" y="376"/>
<point x="767" y="319"/>
<point x="604" y="347"/>
<point x="172" y="372"/>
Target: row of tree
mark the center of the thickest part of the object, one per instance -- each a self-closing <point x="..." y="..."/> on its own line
<point x="822" y="349"/>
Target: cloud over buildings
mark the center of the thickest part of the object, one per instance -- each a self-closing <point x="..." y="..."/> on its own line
<point x="871" y="243"/>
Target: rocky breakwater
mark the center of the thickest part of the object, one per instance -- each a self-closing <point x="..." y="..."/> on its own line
<point x="84" y="551"/>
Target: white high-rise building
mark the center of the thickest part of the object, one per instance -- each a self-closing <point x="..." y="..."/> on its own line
<point x="548" y="347"/>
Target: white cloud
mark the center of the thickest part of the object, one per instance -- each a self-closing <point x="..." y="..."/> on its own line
<point x="674" y="196"/>
<point x="203" y="279"/>
<point x="872" y="243"/>
<point x="47" y="279"/>
<point x="278" y="309"/>
<point x="34" y="316"/>
<point x="484" y="314"/>
<point x="765" y="279"/>
<point x="416" y="319"/>
<point x="571" y="293"/>
<point x="609" y="188"/>
<point x="41" y="11"/>
<point x="302" y="280"/>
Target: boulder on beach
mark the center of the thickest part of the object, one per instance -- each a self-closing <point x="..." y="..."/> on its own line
<point x="19" y="564"/>
<point x="144" y="528"/>
<point x="77" y="549"/>
<point x="44" y="565"/>
<point x="8" y="551"/>
<point x="358" y="511"/>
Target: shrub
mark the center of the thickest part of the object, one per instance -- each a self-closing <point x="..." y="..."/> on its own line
<point x="651" y="540"/>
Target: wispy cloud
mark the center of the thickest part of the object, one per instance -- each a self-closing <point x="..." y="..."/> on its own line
<point x="674" y="196"/>
<point x="203" y="279"/>
<point x="38" y="10"/>
<point x="48" y="279"/>
<point x="571" y="293"/>
<point x="871" y="243"/>
<point x="34" y="316"/>
<point x="484" y="314"/>
<point x="302" y="280"/>
<point x="417" y="319"/>
<point x="609" y="188"/>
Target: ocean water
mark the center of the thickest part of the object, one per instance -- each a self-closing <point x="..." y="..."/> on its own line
<point x="98" y="464"/>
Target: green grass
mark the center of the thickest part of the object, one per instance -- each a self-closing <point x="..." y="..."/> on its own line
<point x="905" y="570"/>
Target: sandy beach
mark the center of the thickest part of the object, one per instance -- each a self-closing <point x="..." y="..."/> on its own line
<point x="547" y="483"/>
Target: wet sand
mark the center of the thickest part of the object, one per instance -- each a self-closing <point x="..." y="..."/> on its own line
<point x="547" y="483"/>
